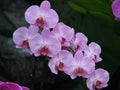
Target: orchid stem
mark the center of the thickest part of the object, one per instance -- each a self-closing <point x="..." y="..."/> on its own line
<point x="43" y="73"/>
<point x="84" y="84"/>
<point x="33" y="73"/>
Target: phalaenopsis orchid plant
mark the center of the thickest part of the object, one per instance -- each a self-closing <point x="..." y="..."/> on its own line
<point x="66" y="50"/>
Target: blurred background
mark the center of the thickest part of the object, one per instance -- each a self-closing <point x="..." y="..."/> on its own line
<point x="94" y="18"/>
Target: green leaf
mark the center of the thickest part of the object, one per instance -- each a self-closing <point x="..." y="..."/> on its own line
<point x="96" y="5"/>
<point x="102" y="16"/>
<point x="117" y="27"/>
<point x="4" y="4"/>
<point x="6" y="26"/>
<point x="77" y="8"/>
<point x="96" y="8"/>
<point x="81" y="84"/>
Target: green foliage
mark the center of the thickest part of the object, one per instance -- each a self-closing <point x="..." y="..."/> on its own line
<point x="77" y="8"/>
<point x="96" y="5"/>
<point x="4" y="4"/>
<point x="81" y="84"/>
<point x="99" y="8"/>
<point x="6" y="25"/>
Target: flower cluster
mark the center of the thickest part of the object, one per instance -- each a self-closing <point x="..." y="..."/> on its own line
<point x="11" y="86"/>
<point x="116" y="9"/>
<point x="68" y="51"/>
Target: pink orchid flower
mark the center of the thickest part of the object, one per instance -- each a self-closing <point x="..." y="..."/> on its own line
<point x="42" y="16"/>
<point x="80" y="66"/>
<point x="23" y="35"/>
<point x="116" y="9"/>
<point x="79" y="42"/>
<point x="45" y="45"/>
<point x="11" y="86"/>
<point x="98" y="79"/>
<point x="58" y="62"/>
<point x="63" y="33"/>
<point x="93" y="51"/>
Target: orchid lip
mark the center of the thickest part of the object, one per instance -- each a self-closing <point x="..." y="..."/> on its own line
<point x="26" y="44"/>
<point x="77" y="48"/>
<point x="79" y="71"/>
<point x="63" y="41"/>
<point x="94" y="58"/>
<point x="44" y="50"/>
<point x="98" y="84"/>
<point x="60" y="66"/>
<point x="40" y="22"/>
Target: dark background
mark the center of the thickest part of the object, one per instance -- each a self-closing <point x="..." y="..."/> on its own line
<point x="94" y="18"/>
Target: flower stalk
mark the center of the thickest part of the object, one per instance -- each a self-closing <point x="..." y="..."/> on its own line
<point x="33" y="73"/>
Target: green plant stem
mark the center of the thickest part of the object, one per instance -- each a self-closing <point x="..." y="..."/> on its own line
<point x="43" y="75"/>
<point x="84" y="84"/>
<point x="45" y="60"/>
<point x="33" y="73"/>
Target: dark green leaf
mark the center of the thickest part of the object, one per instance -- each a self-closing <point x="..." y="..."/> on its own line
<point x="4" y="4"/>
<point x="77" y="8"/>
<point x="96" y="5"/>
<point x="81" y="84"/>
<point x="102" y="16"/>
<point x="6" y="26"/>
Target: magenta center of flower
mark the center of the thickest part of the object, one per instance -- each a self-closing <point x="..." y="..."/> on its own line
<point x="63" y="41"/>
<point x="26" y="44"/>
<point x="60" y="66"/>
<point x="98" y="84"/>
<point x="79" y="71"/>
<point x="77" y="48"/>
<point x="94" y="58"/>
<point x="44" y="50"/>
<point x="64" y="48"/>
<point x="40" y="22"/>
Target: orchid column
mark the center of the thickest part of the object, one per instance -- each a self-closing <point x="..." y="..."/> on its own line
<point x="66" y="51"/>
